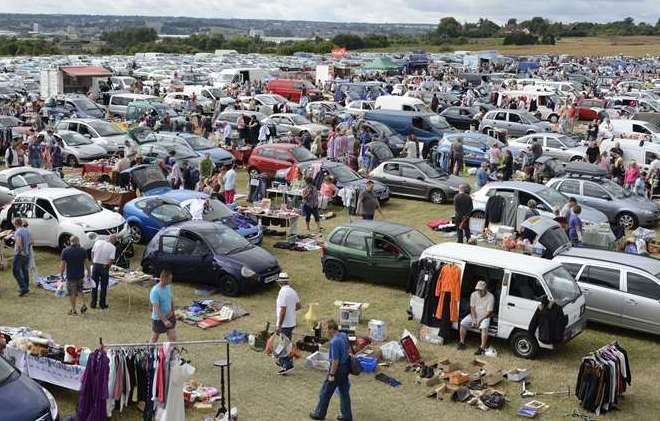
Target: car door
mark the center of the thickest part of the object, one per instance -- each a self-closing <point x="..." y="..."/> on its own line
<point x="413" y="181"/>
<point x="186" y="258"/>
<point x="520" y="297"/>
<point x="44" y="226"/>
<point x="515" y="125"/>
<point x="267" y="161"/>
<point x="552" y="147"/>
<point x="570" y="188"/>
<point x="356" y="254"/>
<point x="388" y="261"/>
<point x="595" y="196"/>
<point x="601" y="286"/>
<point x="392" y="177"/>
<point x="641" y="302"/>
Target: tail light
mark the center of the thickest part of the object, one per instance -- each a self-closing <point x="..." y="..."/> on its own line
<point x="324" y="250"/>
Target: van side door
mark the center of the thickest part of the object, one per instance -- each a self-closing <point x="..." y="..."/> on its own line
<point x="520" y="298"/>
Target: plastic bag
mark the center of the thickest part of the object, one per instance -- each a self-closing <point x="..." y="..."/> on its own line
<point x="392" y="351"/>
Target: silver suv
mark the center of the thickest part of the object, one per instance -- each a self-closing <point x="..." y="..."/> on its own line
<point x="515" y="122"/>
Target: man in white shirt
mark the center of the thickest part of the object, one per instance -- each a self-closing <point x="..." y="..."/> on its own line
<point x="285" y="316"/>
<point x="412" y="147"/>
<point x="482" y="304"/>
<point x="103" y="256"/>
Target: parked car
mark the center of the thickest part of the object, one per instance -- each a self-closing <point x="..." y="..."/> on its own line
<point x="324" y="112"/>
<point x="266" y="102"/>
<point x="292" y="89"/>
<point x="344" y="176"/>
<point x="151" y="181"/>
<point x="380" y="131"/>
<point x="555" y="145"/>
<point x="642" y="152"/>
<point x="297" y="124"/>
<point x="77" y="148"/>
<point x="154" y="151"/>
<point x="179" y="100"/>
<point x="359" y="107"/>
<point x="460" y="117"/>
<point x="101" y="132"/>
<point x="73" y="105"/>
<point x="270" y="158"/>
<point x="23" y="399"/>
<point x="414" y="177"/>
<point x="146" y="216"/>
<point x="56" y="214"/>
<point x="621" y="206"/>
<point x="626" y="128"/>
<point x="209" y="253"/>
<point x="429" y="128"/>
<point x="514" y="122"/>
<point x="118" y="104"/>
<point x="200" y="145"/>
<point x="621" y="289"/>
<point x="14" y="181"/>
<point x="377" y="251"/>
<point x="216" y="211"/>
<point x="590" y="108"/>
<point x="476" y="146"/>
<point x="548" y="201"/>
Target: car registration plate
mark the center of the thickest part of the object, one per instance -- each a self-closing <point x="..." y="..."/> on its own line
<point x="271" y="278"/>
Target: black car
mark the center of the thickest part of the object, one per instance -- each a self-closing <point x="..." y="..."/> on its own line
<point x="460" y="117"/>
<point x="212" y="254"/>
<point x="22" y="399"/>
<point x="414" y="177"/>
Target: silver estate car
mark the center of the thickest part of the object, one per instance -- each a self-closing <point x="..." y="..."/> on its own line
<point x="621" y="289"/>
<point x="515" y="122"/>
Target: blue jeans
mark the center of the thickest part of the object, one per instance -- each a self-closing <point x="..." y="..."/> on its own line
<point x="21" y="270"/>
<point x="286" y="362"/>
<point x="100" y="276"/>
<point x="328" y="388"/>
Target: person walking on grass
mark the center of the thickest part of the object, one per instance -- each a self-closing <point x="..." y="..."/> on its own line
<point x="73" y="269"/>
<point x="103" y="256"/>
<point x="229" y="180"/>
<point x="287" y="305"/>
<point x="162" y="308"/>
<point x="337" y="376"/>
<point x="368" y="203"/>
<point x="21" y="263"/>
<point x="310" y="203"/>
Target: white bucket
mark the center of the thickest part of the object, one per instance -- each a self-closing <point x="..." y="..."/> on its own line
<point x="377" y="330"/>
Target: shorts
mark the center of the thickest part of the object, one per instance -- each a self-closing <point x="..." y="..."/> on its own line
<point x="308" y="211"/>
<point x="73" y="286"/>
<point x="467" y="322"/>
<point x="158" y="327"/>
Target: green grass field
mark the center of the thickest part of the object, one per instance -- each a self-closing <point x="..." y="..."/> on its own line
<point x="260" y="394"/>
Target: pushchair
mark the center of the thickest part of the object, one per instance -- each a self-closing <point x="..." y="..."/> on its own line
<point x="124" y="251"/>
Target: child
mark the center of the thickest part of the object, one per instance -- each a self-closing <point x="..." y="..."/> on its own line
<point x="482" y="175"/>
<point x="639" y="187"/>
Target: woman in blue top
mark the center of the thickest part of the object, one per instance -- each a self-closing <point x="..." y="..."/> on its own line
<point x="575" y="225"/>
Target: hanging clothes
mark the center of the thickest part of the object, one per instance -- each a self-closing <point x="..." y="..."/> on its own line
<point x="94" y="388"/>
<point x="420" y="284"/>
<point x="449" y="281"/>
<point x="430" y="299"/>
<point x="551" y="323"/>
<point x="174" y="410"/>
<point x="494" y="209"/>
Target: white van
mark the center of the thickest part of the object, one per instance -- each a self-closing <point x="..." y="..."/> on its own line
<point x="119" y="102"/>
<point x="519" y="283"/>
<point x="623" y="127"/>
<point x="209" y="92"/>
<point x="227" y="76"/>
<point x="546" y="102"/>
<point x="644" y="153"/>
<point x="401" y="103"/>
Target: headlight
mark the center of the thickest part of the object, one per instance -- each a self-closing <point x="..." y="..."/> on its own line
<point x="82" y="225"/>
<point x="53" y="404"/>
<point x="246" y="272"/>
<point x="91" y="235"/>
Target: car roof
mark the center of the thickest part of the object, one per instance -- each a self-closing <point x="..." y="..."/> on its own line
<point x="8" y="172"/>
<point x="491" y="257"/>
<point x="406" y="160"/>
<point x="278" y="146"/>
<point x="51" y="193"/>
<point x="646" y="264"/>
<point x="383" y="227"/>
<point x="517" y="185"/>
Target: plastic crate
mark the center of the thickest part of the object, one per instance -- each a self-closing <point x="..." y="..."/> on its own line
<point x="368" y="364"/>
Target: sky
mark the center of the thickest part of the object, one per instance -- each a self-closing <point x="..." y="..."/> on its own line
<point x="376" y="11"/>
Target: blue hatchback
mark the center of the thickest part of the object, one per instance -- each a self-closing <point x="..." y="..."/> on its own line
<point x="476" y="146"/>
<point x="146" y="215"/>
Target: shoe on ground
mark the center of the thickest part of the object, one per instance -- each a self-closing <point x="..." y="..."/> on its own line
<point x="479" y="351"/>
<point x="460" y="346"/>
<point x="83" y="309"/>
<point x="73" y="313"/>
<point x="22" y="293"/>
<point x="104" y="307"/>
<point x="315" y="417"/>
<point x="285" y="371"/>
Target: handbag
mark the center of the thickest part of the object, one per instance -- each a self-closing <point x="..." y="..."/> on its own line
<point x="354" y="367"/>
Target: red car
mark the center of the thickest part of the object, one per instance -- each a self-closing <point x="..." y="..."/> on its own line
<point x="588" y="109"/>
<point x="292" y="89"/>
<point x="268" y="159"/>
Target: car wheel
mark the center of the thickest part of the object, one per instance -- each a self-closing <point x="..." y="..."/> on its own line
<point x="136" y="233"/>
<point x="437" y="196"/>
<point x="627" y="220"/>
<point x="524" y="345"/>
<point x="531" y="132"/>
<point x="64" y="241"/>
<point x="576" y="158"/>
<point x="149" y="267"/>
<point x="71" y="161"/>
<point x="486" y="130"/>
<point x="230" y="286"/>
<point x="553" y="118"/>
<point x="334" y="270"/>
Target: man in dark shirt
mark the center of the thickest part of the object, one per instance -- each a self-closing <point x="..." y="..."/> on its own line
<point x="462" y="210"/>
<point x="368" y="202"/>
<point x="537" y="149"/>
<point x="73" y="269"/>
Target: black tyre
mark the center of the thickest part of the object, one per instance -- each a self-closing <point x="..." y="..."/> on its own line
<point x="334" y="270"/>
<point x="64" y="241"/>
<point x="149" y="267"/>
<point x="136" y="233"/>
<point x="486" y="130"/>
<point x="437" y="196"/>
<point x="230" y="286"/>
<point x="627" y="220"/>
<point x="576" y="159"/>
<point x="553" y="118"/>
<point x="71" y="161"/>
<point x="524" y="345"/>
<point x="531" y="132"/>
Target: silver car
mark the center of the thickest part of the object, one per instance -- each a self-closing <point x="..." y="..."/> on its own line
<point x="78" y="148"/>
<point x="620" y="289"/>
<point x="101" y="132"/>
<point x="17" y="180"/>
<point x="556" y="145"/>
<point x="514" y="122"/>
<point x="298" y="124"/>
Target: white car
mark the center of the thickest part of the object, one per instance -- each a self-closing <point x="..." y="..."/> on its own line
<point x="359" y="107"/>
<point x="77" y="148"/>
<point x="178" y="101"/>
<point x="105" y="134"/>
<point x="14" y="181"/>
<point x="55" y="215"/>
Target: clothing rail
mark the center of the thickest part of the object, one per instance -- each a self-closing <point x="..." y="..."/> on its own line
<point x="220" y="364"/>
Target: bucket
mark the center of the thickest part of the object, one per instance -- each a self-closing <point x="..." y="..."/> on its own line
<point x="377" y="331"/>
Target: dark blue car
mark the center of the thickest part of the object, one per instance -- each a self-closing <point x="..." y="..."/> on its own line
<point x="22" y="399"/>
<point x="212" y="254"/>
<point x="146" y="215"/>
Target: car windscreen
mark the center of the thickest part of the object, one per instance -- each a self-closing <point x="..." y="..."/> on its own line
<point x="87" y="105"/>
<point x="180" y="151"/>
<point x="216" y="210"/>
<point x="76" y="205"/>
<point x="106" y="129"/>
<point x="531" y="118"/>
<point x="569" y="142"/>
<point x="199" y="143"/>
<point x="438" y="122"/>
<point x="386" y="131"/>
<point x="298" y="119"/>
<point x="147" y="175"/>
<point x="268" y="100"/>
<point x="6" y="370"/>
<point x="553" y="197"/>
<point x="344" y="174"/>
<point x="223" y="240"/>
<point x="429" y="171"/>
<point x="302" y="154"/>
<point x="54" y="180"/>
<point x="75" y="139"/>
<point x="169" y="213"/>
<point x="414" y="242"/>
<point x="562" y="285"/>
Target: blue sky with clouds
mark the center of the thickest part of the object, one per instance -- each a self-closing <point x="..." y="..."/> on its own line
<point x="409" y="11"/>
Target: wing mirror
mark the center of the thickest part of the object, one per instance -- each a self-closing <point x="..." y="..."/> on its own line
<point x="48" y="216"/>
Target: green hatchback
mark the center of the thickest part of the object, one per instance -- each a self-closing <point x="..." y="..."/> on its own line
<point x="373" y="250"/>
